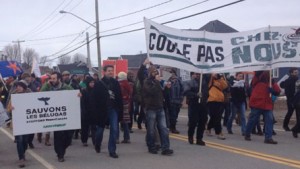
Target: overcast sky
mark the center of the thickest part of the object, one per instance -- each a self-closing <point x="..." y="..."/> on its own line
<point x="30" y="20"/>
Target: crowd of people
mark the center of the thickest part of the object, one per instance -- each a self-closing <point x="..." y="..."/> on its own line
<point x="116" y="102"/>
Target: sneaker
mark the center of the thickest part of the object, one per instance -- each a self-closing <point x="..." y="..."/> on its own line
<point x="113" y="155"/>
<point x="230" y="132"/>
<point x="247" y="138"/>
<point x="200" y="142"/>
<point x="208" y="133"/>
<point x="174" y="131"/>
<point x="21" y="163"/>
<point x="131" y="131"/>
<point x="31" y="146"/>
<point x="191" y="140"/>
<point x="221" y="137"/>
<point x="260" y="133"/>
<point x="167" y="152"/>
<point x="97" y="148"/>
<point x="286" y="128"/>
<point x="152" y="151"/>
<point x="125" y="141"/>
<point x="140" y="126"/>
<point x="295" y="134"/>
<point x="270" y="141"/>
<point x="61" y="159"/>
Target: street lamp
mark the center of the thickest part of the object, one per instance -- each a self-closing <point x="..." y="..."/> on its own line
<point x="97" y="34"/>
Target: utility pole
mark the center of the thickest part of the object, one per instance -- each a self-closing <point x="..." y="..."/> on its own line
<point x="89" y="63"/>
<point x="19" y="49"/>
<point x="98" y="40"/>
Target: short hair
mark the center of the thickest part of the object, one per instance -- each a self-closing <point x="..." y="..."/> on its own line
<point x="33" y="75"/>
<point x="292" y="70"/>
<point x="192" y="73"/>
<point x="96" y="74"/>
<point x="237" y="73"/>
<point x="57" y="74"/>
<point x="106" y="67"/>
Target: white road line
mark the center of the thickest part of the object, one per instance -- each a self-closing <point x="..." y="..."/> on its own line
<point x="33" y="154"/>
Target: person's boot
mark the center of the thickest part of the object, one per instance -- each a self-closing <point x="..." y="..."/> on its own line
<point x="39" y="137"/>
<point x="191" y="140"/>
<point x="47" y="140"/>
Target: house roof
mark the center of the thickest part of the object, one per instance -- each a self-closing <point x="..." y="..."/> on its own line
<point x="135" y="61"/>
<point x="218" y="27"/>
<point x="113" y="58"/>
<point x="73" y="68"/>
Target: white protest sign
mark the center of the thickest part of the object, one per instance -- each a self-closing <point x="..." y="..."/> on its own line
<point x="200" y="51"/>
<point x="45" y="111"/>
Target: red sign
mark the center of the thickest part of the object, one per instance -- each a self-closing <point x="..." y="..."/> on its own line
<point x="119" y="65"/>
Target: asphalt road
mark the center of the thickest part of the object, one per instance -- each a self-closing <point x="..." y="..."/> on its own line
<point x="232" y="153"/>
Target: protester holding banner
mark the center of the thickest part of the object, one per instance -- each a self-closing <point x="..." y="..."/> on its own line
<point x="296" y="104"/>
<point x="86" y="111"/>
<point x="216" y="85"/>
<point x="21" y="140"/>
<point x="289" y="88"/>
<point x="62" y="139"/>
<point x="197" y="110"/>
<point x="261" y="103"/>
<point x="176" y="98"/>
<point x="238" y="103"/>
<point x="155" y="115"/>
<point x="114" y="110"/>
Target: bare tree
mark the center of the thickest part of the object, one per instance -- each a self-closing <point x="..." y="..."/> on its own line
<point x="78" y="57"/>
<point x="11" y="52"/>
<point x="64" y="60"/>
<point x="44" y="61"/>
<point x="29" y="55"/>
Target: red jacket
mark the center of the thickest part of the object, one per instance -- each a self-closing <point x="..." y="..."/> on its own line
<point x="126" y="90"/>
<point x="260" y="96"/>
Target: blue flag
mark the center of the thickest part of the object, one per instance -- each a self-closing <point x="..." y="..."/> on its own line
<point x="10" y="68"/>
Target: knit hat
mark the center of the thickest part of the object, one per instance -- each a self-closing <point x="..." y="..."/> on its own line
<point x="25" y="75"/>
<point x="122" y="76"/>
<point x="22" y="83"/>
<point x="65" y="73"/>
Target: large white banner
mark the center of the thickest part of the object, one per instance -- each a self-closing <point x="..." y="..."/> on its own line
<point x="201" y="51"/>
<point x="45" y="111"/>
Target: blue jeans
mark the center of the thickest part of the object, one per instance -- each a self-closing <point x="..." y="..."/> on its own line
<point x="22" y="143"/>
<point x="254" y="117"/>
<point x="113" y="132"/>
<point x="238" y="107"/>
<point x="153" y="118"/>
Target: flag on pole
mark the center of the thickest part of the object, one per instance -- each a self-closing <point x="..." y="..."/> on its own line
<point x="35" y="68"/>
<point x="10" y="68"/>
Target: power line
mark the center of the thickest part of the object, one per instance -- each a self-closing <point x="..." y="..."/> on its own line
<point x="44" y="20"/>
<point x="178" y="19"/>
<point x="50" y="38"/>
<point x="50" y="26"/>
<point x="135" y="23"/>
<point x="134" y="30"/>
<point x="138" y="11"/>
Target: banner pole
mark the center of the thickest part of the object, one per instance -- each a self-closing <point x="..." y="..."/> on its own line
<point x="3" y="82"/>
<point x="200" y="87"/>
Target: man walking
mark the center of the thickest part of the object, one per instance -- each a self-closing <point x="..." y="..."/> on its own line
<point x="112" y="95"/>
<point x="197" y="110"/>
<point x="62" y="139"/>
<point x="289" y="87"/>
